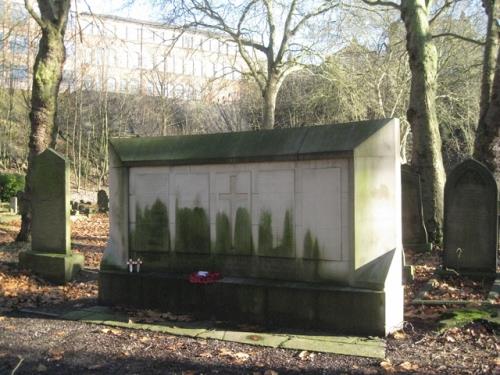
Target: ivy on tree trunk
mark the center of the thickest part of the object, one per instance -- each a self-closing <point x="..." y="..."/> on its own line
<point x="47" y="74"/>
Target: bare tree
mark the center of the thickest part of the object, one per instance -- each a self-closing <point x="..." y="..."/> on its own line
<point x="421" y="114"/>
<point x="486" y="133"/>
<point x="47" y="72"/>
<point x="267" y="35"/>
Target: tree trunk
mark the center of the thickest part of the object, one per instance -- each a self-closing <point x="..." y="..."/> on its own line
<point x="485" y="134"/>
<point x="269" y="102"/>
<point x="488" y="137"/>
<point x="426" y="154"/>
<point x="47" y="73"/>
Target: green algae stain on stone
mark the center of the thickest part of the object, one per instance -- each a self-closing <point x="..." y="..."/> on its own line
<point x="311" y="246"/>
<point x="151" y="229"/>
<point x="265" y="234"/>
<point x="243" y="242"/>
<point x="285" y="246"/>
<point x="223" y="241"/>
<point x="192" y="230"/>
<point x="287" y="241"/>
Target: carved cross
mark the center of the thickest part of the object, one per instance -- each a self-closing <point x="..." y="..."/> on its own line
<point x="233" y="197"/>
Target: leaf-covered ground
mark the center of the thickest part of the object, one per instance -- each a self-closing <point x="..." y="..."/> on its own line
<point x="39" y="344"/>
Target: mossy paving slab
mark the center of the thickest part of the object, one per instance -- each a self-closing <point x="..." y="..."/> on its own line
<point x="252" y="338"/>
<point x="356" y="349"/>
<point x="372" y="347"/>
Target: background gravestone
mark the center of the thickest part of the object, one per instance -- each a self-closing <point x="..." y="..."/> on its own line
<point x="102" y="201"/>
<point x="414" y="231"/>
<point x="470" y="219"/>
<point x="51" y="254"/>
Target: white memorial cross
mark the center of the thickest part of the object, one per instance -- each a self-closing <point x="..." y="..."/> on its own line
<point x="233" y="198"/>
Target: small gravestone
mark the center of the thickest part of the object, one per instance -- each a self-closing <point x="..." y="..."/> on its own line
<point x="51" y="254"/>
<point x="102" y="201"/>
<point x="414" y="231"/>
<point x="470" y="219"/>
<point x="13" y="205"/>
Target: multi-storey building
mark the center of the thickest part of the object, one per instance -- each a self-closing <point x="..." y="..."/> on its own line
<point x="122" y="55"/>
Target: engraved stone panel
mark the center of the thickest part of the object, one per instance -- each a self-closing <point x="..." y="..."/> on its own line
<point x="321" y="214"/>
<point x="192" y="224"/>
<point x="149" y="219"/>
<point x="273" y="211"/>
<point x="233" y="224"/>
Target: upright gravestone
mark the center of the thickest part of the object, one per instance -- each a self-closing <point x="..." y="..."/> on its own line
<point x="102" y="201"/>
<point x="414" y="231"/>
<point x="51" y="254"/>
<point x="310" y="214"/>
<point x="13" y="205"/>
<point x="470" y="219"/>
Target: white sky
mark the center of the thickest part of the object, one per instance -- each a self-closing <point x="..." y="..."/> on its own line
<point x="138" y="9"/>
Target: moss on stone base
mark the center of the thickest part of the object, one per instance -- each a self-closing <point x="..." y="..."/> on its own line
<point x="57" y="268"/>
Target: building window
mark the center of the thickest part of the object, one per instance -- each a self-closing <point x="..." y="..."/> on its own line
<point x="87" y="83"/>
<point x="99" y="56"/>
<point x="134" y="60"/>
<point x="111" y="85"/>
<point x="198" y="68"/>
<point x="187" y="41"/>
<point x="87" y="56"/>
<point x="150" y="88"/>
<point x="169" y="64"/>
<point x="147" y="61"/>
<point x="112" y="61"/>
<point x="121" y="31"/>
<point x="19" y="44"/>
<point x="189" y="67"/>
<point x="178" y="91"/>
<point x="189" y="92"/>
<point x="133" y="86"/>
<point x="123" y="85"/>
<point x="179" y="65"/>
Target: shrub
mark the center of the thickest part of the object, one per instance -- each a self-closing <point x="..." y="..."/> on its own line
<point x="10" y="184"/>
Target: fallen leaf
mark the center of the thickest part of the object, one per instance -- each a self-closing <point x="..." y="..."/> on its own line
<point x="271" y="372"/>
<point x="41" y="368"/>
<point x="387" y="366"/>
<point x="399" y="335"/>
<point x="408" y="366"/>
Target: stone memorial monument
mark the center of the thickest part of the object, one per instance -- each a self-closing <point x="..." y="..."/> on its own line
<point x="51" y="255"/>
<point x="470" y="219"/>
<point x="306" y="214"/>
<point x="414" y="231"/>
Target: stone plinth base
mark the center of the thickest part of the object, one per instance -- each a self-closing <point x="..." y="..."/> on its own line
<point x="57" y="268"/>
<point x="419" y="247"/>
<point x="265" y="302"/>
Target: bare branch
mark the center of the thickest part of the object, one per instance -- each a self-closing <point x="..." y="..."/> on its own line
<point x="458" y="36"/>
<point x="446" y="5"/>
<point x="33" y="14"/>
<point x="382" y="3"/>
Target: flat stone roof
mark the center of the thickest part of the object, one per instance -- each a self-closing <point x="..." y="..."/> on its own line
<point x="249" y="146"/>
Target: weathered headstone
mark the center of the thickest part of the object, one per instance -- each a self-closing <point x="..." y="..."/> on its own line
<point x="102" y="201"/>
<point x="310" y="214"/>
<point x="51" y="254"/>
<point x="470" y="219"/>
<point x="414" y="231"/>
<point x="13" y="205"/>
